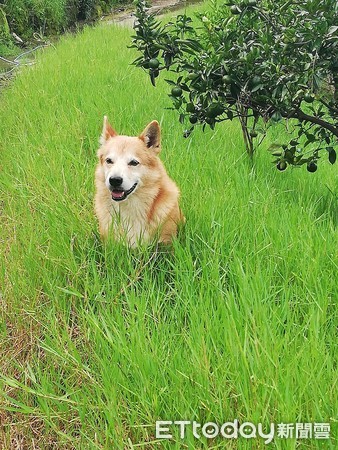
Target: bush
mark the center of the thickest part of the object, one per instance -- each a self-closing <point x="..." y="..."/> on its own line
<point x="27" y="16"/>
<point x="91" y="9"/>
<point x="52" y="16"/>
<point x="5" y="36"/>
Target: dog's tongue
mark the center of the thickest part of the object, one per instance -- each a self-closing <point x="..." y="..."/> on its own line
<point x="117" y="194"/>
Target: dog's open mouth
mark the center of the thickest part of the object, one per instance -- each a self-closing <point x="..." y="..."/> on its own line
<point x="119" y="194"/>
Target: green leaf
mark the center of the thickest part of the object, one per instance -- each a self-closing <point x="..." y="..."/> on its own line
<point x="170" y="82"/>
<point x="332" y="30"/>
<point x="332" y="155"/>
<point x="274" y="147"/>
<point x="257" y="87"/>
<point x="276" y="116"/>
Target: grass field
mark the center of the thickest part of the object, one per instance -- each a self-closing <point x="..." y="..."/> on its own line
<point x="238" y="321"/>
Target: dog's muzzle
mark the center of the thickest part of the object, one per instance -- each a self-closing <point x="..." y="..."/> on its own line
<point x="118" y="194"/>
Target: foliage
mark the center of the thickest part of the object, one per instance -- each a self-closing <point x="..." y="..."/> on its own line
<point x="27" y="16"/>
<point x="52" y="16"/>
<point x="261" y="61"/>
<point x="5" y="37"/>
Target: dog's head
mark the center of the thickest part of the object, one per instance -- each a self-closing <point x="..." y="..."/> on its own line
<point x="127" y="162"/>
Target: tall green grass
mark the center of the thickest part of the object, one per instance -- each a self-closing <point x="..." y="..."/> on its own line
<point x="99" y="342"/>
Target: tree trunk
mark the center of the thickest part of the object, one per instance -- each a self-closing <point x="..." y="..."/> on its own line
<point x="243" y="118"/>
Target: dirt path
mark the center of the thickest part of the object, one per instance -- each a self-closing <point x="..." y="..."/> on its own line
<point x="159" y="7"/>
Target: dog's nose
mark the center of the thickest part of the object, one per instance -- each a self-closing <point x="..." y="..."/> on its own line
<point x="115" y="181"/>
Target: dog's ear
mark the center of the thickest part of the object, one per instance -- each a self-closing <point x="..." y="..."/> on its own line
<point x="151" y="136"/>
<point x="107" y="131"/>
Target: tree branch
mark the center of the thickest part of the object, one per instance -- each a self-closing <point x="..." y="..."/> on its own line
<point x="300" y="115"/>
<point x="331" y="108"/>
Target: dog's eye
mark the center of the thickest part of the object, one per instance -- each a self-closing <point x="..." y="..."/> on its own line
<point x="133" y="162"/>
<point x="109" y="161"/>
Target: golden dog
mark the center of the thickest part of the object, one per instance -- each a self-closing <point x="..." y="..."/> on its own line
<point x="135" y="199"/>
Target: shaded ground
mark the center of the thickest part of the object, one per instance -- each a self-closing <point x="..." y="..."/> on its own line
<point x="9" y="65"/>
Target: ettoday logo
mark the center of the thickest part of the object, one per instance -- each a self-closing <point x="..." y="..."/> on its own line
<point x="210" y="430"/>
<point x="246" y="430"/>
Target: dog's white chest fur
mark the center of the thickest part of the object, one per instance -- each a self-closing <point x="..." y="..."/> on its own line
<point x="129" y="221"/>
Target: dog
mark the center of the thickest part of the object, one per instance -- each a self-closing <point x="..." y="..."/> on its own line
<point x="135" y="201"/>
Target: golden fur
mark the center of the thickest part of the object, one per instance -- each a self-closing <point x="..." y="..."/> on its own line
<point x="150" y="212"/>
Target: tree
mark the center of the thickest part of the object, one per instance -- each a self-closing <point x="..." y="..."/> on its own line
<point x="261" y="61"/>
